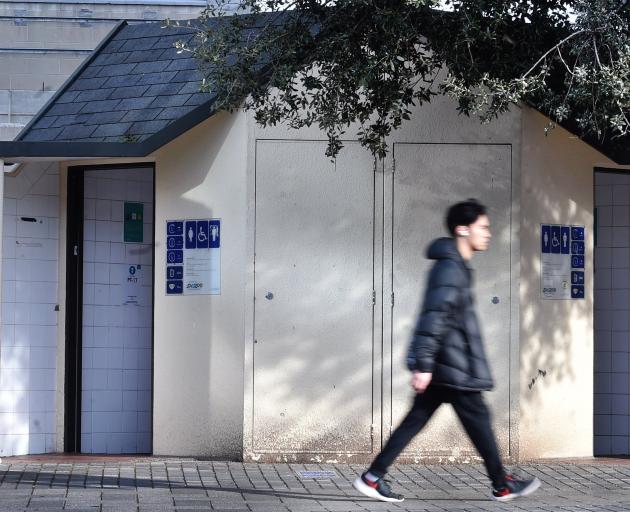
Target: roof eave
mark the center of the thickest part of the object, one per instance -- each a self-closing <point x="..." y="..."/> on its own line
<point x="17" y="150"/>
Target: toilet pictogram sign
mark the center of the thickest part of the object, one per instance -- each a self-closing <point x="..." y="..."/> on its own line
<point x="193" y="257"/>
<point x="563" y="261"/>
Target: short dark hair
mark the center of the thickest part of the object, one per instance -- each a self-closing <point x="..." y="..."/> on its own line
<point x="464" y="213"/>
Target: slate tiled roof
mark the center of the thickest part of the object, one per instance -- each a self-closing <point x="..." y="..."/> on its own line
<point x="134" y="86"/>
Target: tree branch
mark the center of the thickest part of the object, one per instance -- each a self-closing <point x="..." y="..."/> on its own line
<point x="554" y="48"/>
<point x="596" y="53"/>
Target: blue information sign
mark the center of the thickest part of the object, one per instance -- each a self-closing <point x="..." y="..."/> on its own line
<point x="174" y="228"/>
<point x="175" y="242"/>
<point x="564" y="239"/>
<point x="193" y="257"/>
<point x="203" y="241"/>
<point x="577" y="277"/>
<point x="577" y="247"/>
<point x="577" y="291"/>
<point x="174" y="287"/>
<point x="577" y="261"/>
<point x="555" y="239"/>
<point x="545" y="238"/>
<point x="174" y="256"/>
<point x="175" y="272"/>
<point x="191" y="234"/>
<point x="577" y="233"/>
<point x="563" y="261"/>
<point x="215" y="234"/>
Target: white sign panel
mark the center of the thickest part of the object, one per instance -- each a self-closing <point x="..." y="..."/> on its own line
<point x="131" y="286"/>
<point x="193" y="257"/>
<point x="562" y="261"/>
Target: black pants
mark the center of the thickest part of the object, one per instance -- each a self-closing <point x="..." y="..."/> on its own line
<point x="472" y="412"/>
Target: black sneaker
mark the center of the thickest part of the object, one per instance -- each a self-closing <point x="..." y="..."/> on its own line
<point x="514" y="488"/>
<point x="379" y="490"/>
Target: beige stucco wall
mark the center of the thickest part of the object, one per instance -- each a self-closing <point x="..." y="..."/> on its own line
<point x="556" y="336"/>
<point x="198" y="340"/>
<point x="436" y="123"/>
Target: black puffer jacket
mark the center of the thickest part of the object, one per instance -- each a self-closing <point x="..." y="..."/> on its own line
<point x="447" y="340"/>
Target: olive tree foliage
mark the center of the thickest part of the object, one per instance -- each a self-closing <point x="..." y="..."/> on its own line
<point x="333" y="63"/>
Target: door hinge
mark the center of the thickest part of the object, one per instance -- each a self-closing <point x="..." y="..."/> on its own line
<point x="373" y="298"/>
<point x="76" y="250"/>
<point x="392" y="299"/>
<point x="372" y="430"/>
<point x="393" y="165"/>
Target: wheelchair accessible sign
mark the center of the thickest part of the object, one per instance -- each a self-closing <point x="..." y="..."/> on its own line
<point x="193" y="257"/>
<point x="562" y="261"/>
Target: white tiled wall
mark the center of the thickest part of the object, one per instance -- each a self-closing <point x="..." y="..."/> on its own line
<point x="117" y="357"/>
<point x="29" y="319"/>
<point x="612" y="314"/>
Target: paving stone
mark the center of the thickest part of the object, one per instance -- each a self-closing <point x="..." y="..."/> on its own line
<point x="235" y="487"/>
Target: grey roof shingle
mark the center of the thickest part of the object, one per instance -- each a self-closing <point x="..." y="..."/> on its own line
<point x="146" y="114"/>
<point x="133" y="86"/>
<point x="135" y="91"/>
<point x="93" y="95"/>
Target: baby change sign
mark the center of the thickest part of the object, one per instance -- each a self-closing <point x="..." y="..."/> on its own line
<point x="193" y="257"/>
<point x="562" y="261"/>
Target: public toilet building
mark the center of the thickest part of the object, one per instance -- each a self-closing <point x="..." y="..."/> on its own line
<point x="178" y="281"/>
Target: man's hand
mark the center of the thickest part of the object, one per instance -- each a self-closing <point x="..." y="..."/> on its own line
<point x="420" y="381"/>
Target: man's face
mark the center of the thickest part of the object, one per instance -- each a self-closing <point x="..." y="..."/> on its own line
<point x="479" y="234"/>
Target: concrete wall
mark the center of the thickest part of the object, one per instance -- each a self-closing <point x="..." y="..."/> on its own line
<point x="198" y="340"/>
<point x="556" y="336"/>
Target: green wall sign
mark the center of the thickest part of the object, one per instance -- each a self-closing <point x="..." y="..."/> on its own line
<point x="134" y="215"/>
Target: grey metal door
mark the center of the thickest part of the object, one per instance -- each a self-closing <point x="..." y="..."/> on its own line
<point x="314" y="270"/>
<point x="427" y="179"/>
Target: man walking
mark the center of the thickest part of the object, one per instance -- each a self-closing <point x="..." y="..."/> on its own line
<point x="447" y="359"/>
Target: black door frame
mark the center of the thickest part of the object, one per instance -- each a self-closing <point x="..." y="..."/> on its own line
<point x="74" y="310"/>
<point x="74" y="298"/>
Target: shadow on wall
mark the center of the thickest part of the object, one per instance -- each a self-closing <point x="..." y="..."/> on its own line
<point x="196" y="355"/>
<point x="429" y="178"/>
<point x="556" y="335"/>
<point x="317" y="362"/>
<point x="314" y="349"/>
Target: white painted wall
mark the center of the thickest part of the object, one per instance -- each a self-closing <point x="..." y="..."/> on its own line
<point x="29" y="320"/>
<point x="198" y="341"/>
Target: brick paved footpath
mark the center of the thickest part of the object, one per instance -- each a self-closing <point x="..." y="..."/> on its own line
<point x="152" y="484"/>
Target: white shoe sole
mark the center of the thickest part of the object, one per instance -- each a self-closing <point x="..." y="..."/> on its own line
<point x="368" y="491"/>
<point x="532" y="487"/>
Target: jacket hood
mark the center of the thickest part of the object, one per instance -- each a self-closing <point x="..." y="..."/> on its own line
<point x="443" y="248"/>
